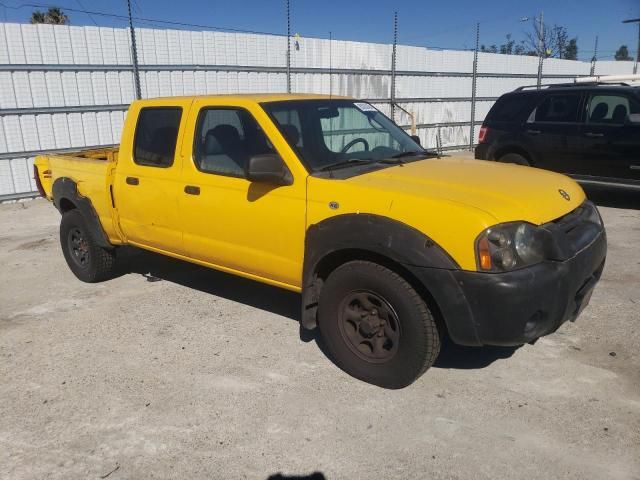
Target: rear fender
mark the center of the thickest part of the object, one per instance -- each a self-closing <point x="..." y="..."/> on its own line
<point x="65" y="192"/>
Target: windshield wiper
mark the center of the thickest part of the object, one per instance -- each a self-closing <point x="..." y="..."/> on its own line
<point x="344" y="163"/>
<point x="397" y="158"/>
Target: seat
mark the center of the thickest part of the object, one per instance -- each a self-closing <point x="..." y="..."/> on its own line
<point x="599" y="113"/>
<point x="223" y="151"/>
<point x="619" y="114"/>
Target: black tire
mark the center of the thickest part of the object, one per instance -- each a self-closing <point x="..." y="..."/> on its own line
<point x="403" y="353"/>
<point x="89" y="262"/>
<point x="514" y="158"/>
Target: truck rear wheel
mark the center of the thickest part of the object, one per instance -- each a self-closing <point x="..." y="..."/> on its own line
<point x="375" y="326"/>
<point x="89" y="262"/>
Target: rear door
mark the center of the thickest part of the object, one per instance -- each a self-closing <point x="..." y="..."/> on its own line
<point x="611" y="135"/>
<point x="147" y="184"/>
<point x="552" y="131"/>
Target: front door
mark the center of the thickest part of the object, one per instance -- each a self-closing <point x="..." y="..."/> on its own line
<point x="147" y="183"/>
<point x="229" y="222"/>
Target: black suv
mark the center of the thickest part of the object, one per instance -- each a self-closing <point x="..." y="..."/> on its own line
<point x="590" y="131"/>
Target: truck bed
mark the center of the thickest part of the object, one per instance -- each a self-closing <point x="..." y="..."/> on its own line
<point x="91" y="170"/>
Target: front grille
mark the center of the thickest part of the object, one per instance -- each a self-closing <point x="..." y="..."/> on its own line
<point x="575" y="231"/>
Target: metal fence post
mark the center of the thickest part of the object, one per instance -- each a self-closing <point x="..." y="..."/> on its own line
<point x="474" y="82"/>
<point x="594" y="59"/>
<point x="393" y="66"/>
<point x="134" y="54"/>
<point x="541" y="48"/>
<point x="288" y="46"/>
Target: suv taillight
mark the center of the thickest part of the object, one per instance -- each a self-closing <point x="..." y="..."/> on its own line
<point x="36" y="177"/>
<point x="482" y="134"/>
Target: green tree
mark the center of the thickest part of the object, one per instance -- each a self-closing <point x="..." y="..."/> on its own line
<point x="54" y="16"/>
<point x="623" y="53"/>
<point x="571" y="50"/>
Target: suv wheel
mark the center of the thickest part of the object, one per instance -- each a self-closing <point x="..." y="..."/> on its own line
<point x="375" y="326"/>
<point x="514" y="158"/>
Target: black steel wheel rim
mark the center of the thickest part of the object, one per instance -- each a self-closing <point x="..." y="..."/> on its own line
<point x="369" y="326"/>
<point x="78" y="247"/>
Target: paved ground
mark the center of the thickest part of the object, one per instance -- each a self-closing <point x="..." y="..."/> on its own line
<point x="202" y="375"/>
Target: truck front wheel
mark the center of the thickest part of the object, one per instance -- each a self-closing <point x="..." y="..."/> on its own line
<point x="375" y="326"/>
<point x="89" y="262"/>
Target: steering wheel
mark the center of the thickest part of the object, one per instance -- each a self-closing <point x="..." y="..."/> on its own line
<point x="346" y="148"/>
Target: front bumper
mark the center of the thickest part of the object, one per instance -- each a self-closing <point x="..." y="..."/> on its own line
<point x="517" y="307"/>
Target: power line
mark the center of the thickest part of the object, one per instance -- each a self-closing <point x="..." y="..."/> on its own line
<point x="141" y="19"/>
<point x="88" y="15"/>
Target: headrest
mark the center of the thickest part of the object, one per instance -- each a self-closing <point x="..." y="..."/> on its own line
<point x="600" y="111"/>
<point x="291" y="133"/>
<point x="226" y="134"/>
<point x="619" y="114"/>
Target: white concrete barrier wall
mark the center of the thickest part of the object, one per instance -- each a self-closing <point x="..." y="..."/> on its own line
<point x="64" y="87"/>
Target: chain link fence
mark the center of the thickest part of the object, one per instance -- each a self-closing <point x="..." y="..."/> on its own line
<point x="64" y="88"/>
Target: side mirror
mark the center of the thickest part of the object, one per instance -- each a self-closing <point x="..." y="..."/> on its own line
<point x="416" y="139"/>
<point x="268" y="168"/>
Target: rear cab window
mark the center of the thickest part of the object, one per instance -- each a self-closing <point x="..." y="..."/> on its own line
<point x="156" y="136"/>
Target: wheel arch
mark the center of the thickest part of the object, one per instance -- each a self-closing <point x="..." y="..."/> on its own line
<point x="392" y="244"/>
<point x="66" y="197"/>
<point x="513" y="148"/>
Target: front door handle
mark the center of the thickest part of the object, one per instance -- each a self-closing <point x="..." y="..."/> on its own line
<point x="133" y="181"/>
<point x="192" y="190"/>
<point x="534" y="132"/>
<point x="594" y="135"/>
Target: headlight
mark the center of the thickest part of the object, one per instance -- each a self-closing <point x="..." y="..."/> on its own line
<point x="510" y="246"/>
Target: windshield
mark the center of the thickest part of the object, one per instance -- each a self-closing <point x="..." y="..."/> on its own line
<point x="329" y="134"/>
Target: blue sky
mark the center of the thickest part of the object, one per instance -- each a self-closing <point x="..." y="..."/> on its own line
<point x="427" y="23"/>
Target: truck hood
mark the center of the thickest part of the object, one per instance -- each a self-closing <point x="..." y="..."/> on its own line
<point x="506" y="192"/>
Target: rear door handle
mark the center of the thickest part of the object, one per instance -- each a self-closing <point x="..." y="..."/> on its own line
<point x="192" y="190"/>
<point x="133" y="181"/>
<point x="594" y="135"/>
<point x="534" y="132"/>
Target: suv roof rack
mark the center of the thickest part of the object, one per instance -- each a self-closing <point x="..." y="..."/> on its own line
<point x="570" y="85"/>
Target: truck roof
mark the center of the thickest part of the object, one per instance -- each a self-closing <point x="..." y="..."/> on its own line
<point x="252" y="97"/>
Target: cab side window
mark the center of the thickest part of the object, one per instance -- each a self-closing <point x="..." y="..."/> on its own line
<point x="611" y="109"/>
<point x="225" y="140"/>
<point x="156" y="136"/>
<point x="562" y="108"/>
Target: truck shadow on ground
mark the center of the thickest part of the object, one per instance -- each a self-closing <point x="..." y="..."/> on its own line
<point x="613" y="197"/>
<point x="154" y="267"/>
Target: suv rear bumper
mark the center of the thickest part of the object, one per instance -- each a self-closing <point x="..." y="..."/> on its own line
<point x="482" y="152"/>
<point x="516" y="307"/>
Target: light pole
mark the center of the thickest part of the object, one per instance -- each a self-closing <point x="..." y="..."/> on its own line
<point x="635" y="65"/>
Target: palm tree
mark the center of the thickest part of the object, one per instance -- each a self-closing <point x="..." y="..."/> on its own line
<point x="38" y="17"/>
<point x="54" y="16"/>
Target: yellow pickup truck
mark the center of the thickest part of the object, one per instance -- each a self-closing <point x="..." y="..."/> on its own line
<point x="390" y="246"/>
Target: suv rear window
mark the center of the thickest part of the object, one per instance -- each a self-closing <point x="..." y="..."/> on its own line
<point x="156" y="136"/>
<point x="560" y="108"/>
